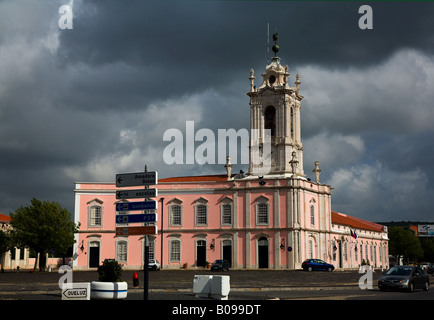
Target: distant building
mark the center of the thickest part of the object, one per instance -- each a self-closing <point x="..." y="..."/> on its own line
<point x="16" y="257"/>
<point x="274" y="220"/>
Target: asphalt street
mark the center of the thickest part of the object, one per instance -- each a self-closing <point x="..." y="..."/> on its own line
<point x="253" y="294"/>
<point x="178" y="284"/>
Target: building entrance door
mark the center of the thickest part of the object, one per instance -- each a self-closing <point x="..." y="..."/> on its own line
<point x="201" y="253"/>
<point x="263" y="252"/>
<point x="227" y="251"/>
<point x="94" y="254"/>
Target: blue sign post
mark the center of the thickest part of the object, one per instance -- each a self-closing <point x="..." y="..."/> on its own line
<point x="131" y="206"/>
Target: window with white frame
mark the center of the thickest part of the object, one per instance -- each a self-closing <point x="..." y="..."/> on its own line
<point x="356" y="256"/>
<point x="366" y="252"/>
<point x="151" y="249"/>
<point x="226" y="211"/>
<point x="334" y="249"/>
<point x="375" y="254"/>
<point x="122" y="250"/>
<point x="310" y="248"/>
<point x="262" y="213"/>
<point x="201" y="214"/>
<point x="312" y="214"/>
<point x="346" y="251"/>
<point x="175" y="250"/>
<point x="95" y="214"/>
<point x="175" y="215"/>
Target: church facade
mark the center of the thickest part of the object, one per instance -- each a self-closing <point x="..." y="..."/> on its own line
<point x="272" y="217"/>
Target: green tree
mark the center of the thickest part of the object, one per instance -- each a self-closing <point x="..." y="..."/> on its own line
<point x="403" y="243"/>
<point x="5" y="245"/>
<point x="44" y="227"/>
<point x="428" y="248"/>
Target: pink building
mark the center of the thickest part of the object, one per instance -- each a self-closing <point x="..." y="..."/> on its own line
<point x="275" y="219"/>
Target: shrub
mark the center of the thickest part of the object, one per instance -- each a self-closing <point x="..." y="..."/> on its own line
<point x="110" y="271"/>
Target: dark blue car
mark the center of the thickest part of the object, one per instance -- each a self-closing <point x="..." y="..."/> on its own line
<point x="316" y="264"/>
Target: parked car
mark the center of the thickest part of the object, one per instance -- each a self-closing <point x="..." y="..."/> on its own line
<point x="404" y="277"/>
<point x="430" y="269"/>
<point x="316" y="264"/>
<point x="424" y="266"/>
<point x="220" y="265"/>
<point x="153" y="264"/>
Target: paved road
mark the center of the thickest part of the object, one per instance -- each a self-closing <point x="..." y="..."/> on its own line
<point x="244" y="284"/>
<point x="273" y="292"/>
<point x="178" y="284"/>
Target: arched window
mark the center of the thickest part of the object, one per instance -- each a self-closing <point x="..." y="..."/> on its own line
<point x="270" y="120"/>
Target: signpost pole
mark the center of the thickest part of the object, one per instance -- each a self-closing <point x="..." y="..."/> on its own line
<point x="146" y="268"/>
<point x="146" y="275"/>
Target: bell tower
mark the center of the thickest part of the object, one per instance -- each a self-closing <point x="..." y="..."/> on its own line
<point x="276" y="106"/>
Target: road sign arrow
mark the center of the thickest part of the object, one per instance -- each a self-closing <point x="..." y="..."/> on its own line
<point x="136" y="179"/>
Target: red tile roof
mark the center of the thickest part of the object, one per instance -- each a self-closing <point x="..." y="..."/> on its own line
<point x="209" y="178"/>
<point x="5" y="218"/>
<point x="343" y="219"/>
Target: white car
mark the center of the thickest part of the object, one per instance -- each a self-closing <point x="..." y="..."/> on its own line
<point x="153" y="264"/>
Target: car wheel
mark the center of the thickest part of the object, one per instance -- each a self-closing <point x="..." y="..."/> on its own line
<point x="426" y="286"/>
<point x="329" y="270"/>
<point x="309" y="269"/>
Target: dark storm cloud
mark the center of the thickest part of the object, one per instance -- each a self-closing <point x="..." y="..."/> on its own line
<point x="226" y="34"/>
<point x="84" y="104"/>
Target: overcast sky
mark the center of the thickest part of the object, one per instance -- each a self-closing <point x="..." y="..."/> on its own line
<point x="83" y="104"/>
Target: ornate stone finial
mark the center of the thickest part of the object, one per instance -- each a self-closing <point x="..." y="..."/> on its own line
<point x="252" y="80"/>
<point x="316" y="171"/>
<point x="228" y="167"/>
<point x="297" y="82"/>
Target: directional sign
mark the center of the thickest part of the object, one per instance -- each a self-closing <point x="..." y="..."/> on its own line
<point x="133" y="231"/>
<point x="134" y="194"/>
<point x="131" y="206"/>
<point x="136" y="218"/>
<point x="76" y="291"/>
<point x="136" y="179"/>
